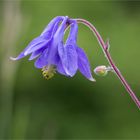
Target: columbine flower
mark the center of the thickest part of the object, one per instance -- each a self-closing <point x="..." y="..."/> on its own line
<point x="54" y="55"/>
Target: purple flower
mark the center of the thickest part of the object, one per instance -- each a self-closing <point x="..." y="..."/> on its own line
<point x="54" y="55"/>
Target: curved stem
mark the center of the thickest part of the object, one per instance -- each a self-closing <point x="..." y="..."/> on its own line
<point x="104" y="47"/>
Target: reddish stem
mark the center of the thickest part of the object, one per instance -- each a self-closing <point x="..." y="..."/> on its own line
<point x="104" y="47"/>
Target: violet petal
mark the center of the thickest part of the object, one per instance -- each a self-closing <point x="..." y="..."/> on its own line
<point x="83" y="64"/>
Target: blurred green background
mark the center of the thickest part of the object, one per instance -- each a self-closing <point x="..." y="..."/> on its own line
<point x="69" y="108"/>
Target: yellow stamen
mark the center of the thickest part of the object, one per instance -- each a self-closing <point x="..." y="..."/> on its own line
<point x="48" y="71"/>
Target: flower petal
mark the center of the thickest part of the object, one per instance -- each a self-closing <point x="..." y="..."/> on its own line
<point x="73" y="32"/>
<point x="42" y="61"/>
<point x="36" y="44"/>
<point x="51" y="27"/>
<point x="53" y="57"/>
<point x="21" y="55"/>
<point x="60" y="31"/>
<point x="68" y="56"/>
<point x="45" y="36"/>
<point x="60" y="69"/>
<point x="67" y="53"/>
<point x="36" y="53"/>
<point x="83" y="64"/>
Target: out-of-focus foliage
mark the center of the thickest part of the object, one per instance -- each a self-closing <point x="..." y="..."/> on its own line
<point x="71" y="108"/>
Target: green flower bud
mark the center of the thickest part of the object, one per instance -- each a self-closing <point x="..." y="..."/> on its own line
<point x="102" y="70"/>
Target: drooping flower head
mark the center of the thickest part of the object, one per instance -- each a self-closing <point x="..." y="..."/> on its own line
<point x="52" y="54"/>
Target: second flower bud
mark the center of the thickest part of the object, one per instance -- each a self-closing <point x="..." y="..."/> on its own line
<point x="102" y="70"/>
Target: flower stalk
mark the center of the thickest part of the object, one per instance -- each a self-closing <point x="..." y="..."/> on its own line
<point x="105" y="49"/>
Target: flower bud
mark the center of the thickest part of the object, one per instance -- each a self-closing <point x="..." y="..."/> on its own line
<point x="101" y="70"/>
